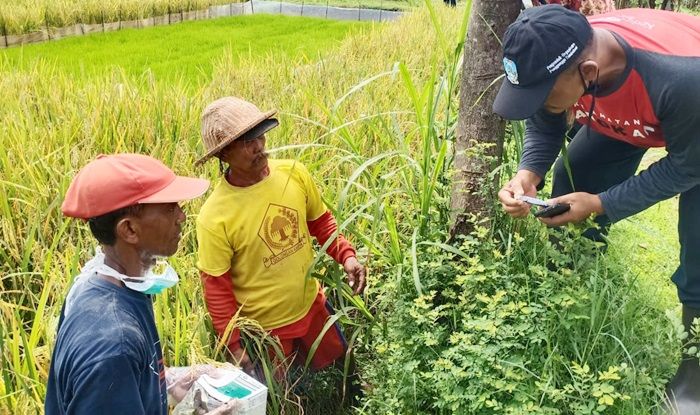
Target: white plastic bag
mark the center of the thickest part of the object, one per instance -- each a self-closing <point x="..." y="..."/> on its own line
<point x="202" y="389"/>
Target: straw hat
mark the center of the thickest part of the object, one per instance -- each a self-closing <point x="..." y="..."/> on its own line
<point x="228" y="119"/>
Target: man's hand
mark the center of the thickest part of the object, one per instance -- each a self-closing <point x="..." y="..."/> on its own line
<point x="356" y="274"/>
<point x="582" y="206"/>
<point x="231" y="407"/>
<point x="179" y="380"/>
<point x="524" y="183"/>
<point x="240" y="358"/>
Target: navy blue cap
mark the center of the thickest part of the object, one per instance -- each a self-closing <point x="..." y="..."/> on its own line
<point x="541" y="43"/>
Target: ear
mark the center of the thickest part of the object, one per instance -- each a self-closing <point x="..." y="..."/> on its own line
<point x="589" y="71"/>
<point x="127" y="229"/>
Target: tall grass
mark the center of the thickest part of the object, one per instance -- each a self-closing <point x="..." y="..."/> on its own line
<point x="362" y="118"/>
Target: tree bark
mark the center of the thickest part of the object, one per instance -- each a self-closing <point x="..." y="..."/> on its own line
<point x="479" y="131"/>
<point x="623" y="4"/>
<point x="667" y="5"/>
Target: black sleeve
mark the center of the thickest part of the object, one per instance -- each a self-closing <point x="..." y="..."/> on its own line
<point x="544" y="134"/>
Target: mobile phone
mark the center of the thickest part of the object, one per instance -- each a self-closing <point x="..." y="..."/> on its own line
<point x="554" y="210"/>
<point x="547" y="210"/>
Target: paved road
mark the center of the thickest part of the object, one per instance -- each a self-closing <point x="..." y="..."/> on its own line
<point x="328" y="12"/>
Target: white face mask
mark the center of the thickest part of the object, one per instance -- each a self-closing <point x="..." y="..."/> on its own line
<point x="157" y="278"/>
<point x="152" y="282"/>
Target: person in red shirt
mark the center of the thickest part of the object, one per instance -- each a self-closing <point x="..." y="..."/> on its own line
<point x="631" y="80"/>
<point x="254" y="234"/>
<point x="585" y="7"/>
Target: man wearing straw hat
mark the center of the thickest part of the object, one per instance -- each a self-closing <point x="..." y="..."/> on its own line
<point x="108" y="357"/>
<point x="254" y="233"/>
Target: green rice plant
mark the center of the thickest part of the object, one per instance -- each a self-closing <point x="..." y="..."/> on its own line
<point x="152" y="53"/>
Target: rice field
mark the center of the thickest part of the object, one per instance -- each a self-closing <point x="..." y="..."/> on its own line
<point x="185" y="53"/>
<point x="28" y="16"/>
<point x="25" y="16"/>
<point x="497" y="322"/>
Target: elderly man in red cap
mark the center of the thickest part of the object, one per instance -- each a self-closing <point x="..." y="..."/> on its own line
<point x="108" y="358"/>
<point x="254" y="233"/>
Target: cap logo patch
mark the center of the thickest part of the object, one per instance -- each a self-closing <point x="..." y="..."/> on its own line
<point x="511" y="71"/>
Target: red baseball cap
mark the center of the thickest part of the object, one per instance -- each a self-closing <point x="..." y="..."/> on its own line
<point x="112" y="182"/>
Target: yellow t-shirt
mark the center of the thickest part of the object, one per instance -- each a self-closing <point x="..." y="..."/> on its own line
<point x="260" y="233"/>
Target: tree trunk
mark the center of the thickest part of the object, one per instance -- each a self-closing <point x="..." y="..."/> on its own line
<point x="623" y="4"/>
<point x="479" y="131"/>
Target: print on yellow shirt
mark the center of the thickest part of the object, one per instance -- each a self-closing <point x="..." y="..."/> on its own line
<point x="280" y="232"/>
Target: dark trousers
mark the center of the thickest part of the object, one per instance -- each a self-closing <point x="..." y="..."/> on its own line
<point x="597" y="163"/>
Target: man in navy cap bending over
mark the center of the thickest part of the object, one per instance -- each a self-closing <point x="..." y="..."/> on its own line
<point x="632" y="85"/>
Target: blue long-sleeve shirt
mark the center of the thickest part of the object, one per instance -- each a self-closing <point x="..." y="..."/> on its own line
<point x="654" y="103"/>
<point x="107" y="359"/>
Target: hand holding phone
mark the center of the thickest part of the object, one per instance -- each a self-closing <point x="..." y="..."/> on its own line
<point x="547" y="210"/>
<point x="552" y="210"/>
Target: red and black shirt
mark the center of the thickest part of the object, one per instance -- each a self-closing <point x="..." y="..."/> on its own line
<point x="654" y="103"/>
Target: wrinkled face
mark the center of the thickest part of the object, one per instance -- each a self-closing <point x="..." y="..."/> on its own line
<point x="248" y="155"/>
<point x="158" y="227"/>
<point x="566" y="91"/>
